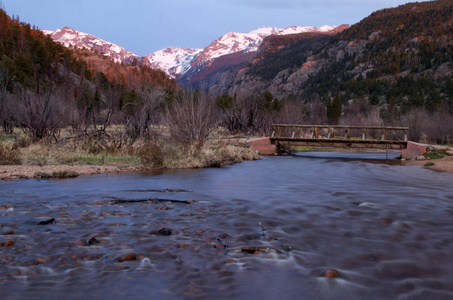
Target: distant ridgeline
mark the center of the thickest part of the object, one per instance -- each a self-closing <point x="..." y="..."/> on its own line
<point x="400" y="56"/>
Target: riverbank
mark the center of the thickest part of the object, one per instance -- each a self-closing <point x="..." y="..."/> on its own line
<point x="11" y="172"/>
<point x="444" y="164"/>
<point x="41" y="161"/>
<point x="57" y="163"/>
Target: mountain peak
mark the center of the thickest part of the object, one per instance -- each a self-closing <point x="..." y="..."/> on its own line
<point x="177" y="61"/>
<point x="71" y="37"/>
<point x="266" y="31"/>
<point x="172" y="60"/>
<point x="66" y="28"/>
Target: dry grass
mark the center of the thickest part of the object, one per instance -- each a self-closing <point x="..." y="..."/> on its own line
<point x="9" y="154"/>
<point x="73" y="153"/>
<point x="158" y="152"/>
<point x="212" y="154"/>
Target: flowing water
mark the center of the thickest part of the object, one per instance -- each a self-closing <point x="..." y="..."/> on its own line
<point x="381" y="231"/>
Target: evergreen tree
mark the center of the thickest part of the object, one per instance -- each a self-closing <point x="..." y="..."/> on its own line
<point x="334" y="108"/>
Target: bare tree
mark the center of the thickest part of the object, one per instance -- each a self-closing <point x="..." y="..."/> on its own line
<point x="415" y="119"/>
<point x="142" y="110"/>
<point x="191" y="117"/>
<point x="440" y="125"/>
<point x="152" y="103"/>
<point x="291" y="113"/>
<point x="5" y="115"/>
<point x="39" y="113"/>
<point x="241" y="115"/>
<point x="253" y="115"/>
<point x="315" y="113"/>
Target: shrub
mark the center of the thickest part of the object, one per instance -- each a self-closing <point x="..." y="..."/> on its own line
<point x="23" y="142"/>
<point x="9" y="155"/>
<point x="91" y="146"/>
<point x="151" y="155"/>
<point x="434" y="155"/>
<point x="36" y="160"/>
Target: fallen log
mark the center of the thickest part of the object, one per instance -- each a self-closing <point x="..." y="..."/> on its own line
<point x="47" y="222"/>
<point x="255" y="249"/>
<point x="160" y="191"/>
<point x="153" y="200"/>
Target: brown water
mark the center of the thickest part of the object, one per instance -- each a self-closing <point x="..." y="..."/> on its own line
<point x="385" y="229"/>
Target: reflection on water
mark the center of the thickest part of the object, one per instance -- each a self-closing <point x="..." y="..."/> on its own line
<point x="383" y="230"/>
<point x="390" y="158"/>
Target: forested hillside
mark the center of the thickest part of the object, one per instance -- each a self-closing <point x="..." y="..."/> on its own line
<point x="380" y="57"/>
<point x="45" y="86"/>
<point x="406" y="56"/>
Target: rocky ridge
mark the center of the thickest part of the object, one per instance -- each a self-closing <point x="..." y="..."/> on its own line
<point x="73" y="38"/>
<point x="175" y="61"/>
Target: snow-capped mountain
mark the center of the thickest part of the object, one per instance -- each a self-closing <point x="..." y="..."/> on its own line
<point x="178" y="61"/>
<point x="70" y="37"/>
<point x="174" y="61"/>
<point x="171" y="60"/>
<point x="230" y="43"/>
<point x="233" y="42"/>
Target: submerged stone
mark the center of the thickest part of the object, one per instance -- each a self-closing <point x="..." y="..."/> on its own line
<point x="93" y="241"/>
<point x="128" y="257"/>
<point x="8" y="243"/>
<point x="46" y="222"/>
<point x="331" y="274"/>
<point x="164" y="231"/>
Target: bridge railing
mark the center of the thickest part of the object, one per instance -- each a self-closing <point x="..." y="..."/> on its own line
<point x="337" y="132"/>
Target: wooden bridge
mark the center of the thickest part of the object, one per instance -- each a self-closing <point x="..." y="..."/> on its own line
<point x="381" y="137"/>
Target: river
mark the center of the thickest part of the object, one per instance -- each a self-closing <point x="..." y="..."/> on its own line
<point x="308" y="226"/>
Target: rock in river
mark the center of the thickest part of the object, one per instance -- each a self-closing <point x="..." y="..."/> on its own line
<point x="128" y="257"/>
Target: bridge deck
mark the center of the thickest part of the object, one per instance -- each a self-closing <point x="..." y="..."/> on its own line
<point x="342" y="143"/>
<point x="328" y="136"/>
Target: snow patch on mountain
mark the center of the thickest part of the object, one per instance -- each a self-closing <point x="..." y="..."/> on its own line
<point x="266" y="31"/>
<point x="172" y="60"/>
<point x="302" y="29"/>
<point x="70" y="37"/>
<point x="234" y="42"/>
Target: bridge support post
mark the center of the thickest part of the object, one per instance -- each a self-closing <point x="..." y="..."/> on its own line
<point x="264" y="146"/>
<point x="414" y="150"/>
<point x="278" y="148"/>
<point x="387" y="154"/>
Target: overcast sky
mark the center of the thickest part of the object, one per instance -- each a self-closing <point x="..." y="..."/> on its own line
<point x="144" y="26"/>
